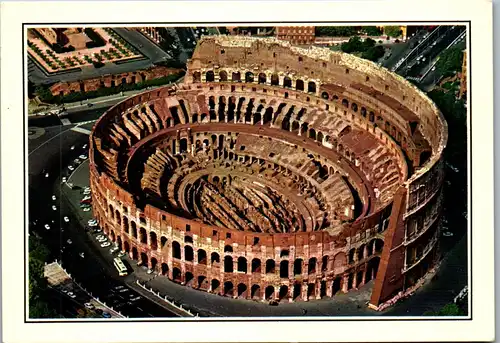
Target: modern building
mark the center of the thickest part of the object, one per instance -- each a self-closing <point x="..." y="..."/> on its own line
<point x="298" y="35"/>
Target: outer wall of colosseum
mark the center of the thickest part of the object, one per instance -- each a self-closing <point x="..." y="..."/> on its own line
<point x="393" y="239"/>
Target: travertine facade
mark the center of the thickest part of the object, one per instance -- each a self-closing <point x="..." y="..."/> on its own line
<point x="274" y="172"/>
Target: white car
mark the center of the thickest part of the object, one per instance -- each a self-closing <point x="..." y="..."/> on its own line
<point x="54" y="197"/>
<point x="66" y="219"/>
<point x="150" y="271"/>
<point x="77" y="161"/>
<point x="86" y="209"/>
<point x="69" y="241"/>
<point x="92" y="223"/>
<point x="64" y="179"/>
<point x="46" y="174"/>
<point x="72" y="147"/>
<point x="87" y="197"/>
<point x="83" y="157"/>
<point x="89" y="306"/>
<point x="84" y="146"/>
<point x="71" y="295"/>
<point x="82" y="255"/>
<point x="47" y="226"/>
<point x="102" y="240"/>
<point x="71" y="168"/>
<point x="105" y="245"/>
<point x="447" y="234"/>
<point x="433" y="68"/>
<point x="54" y="208"/>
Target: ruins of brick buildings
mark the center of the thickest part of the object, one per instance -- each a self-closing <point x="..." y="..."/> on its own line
<point x="274" y="172"/>
<point x="111" y="80"/>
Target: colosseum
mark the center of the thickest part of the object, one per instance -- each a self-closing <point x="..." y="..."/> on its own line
<point x="274" y="172"/>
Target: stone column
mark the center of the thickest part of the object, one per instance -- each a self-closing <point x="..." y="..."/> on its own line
<point x="329" y="288"/>
<point x="345" y="283"/>
<point x="303" y="289"/>
<point x="290" y="292"/>
<point x="318" y="289"/>
<point x="178" y="142"/>
<point x="281" y="80"/>
<point x="355" y="280"/>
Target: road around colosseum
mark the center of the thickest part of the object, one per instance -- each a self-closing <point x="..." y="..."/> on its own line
<point x="450" y="279"/>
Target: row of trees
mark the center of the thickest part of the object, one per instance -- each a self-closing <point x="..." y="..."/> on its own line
<point x="347" y="31"/>
<point x="367" y="48"/>
<point x="46" y="96"/>
<point x="450" y="61"/>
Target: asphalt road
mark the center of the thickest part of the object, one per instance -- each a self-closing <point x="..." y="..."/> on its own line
<point x="53" y="153"/>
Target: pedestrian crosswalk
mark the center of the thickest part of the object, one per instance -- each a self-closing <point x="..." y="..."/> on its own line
<point x="81" y="130"/>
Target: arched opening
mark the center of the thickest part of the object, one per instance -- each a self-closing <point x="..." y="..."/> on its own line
<point x="242" y="290"/>
<point x="312" y="134"/>
<point x="337" y="285"/>
<point x="255" y="292"/>
<point x="275" y="80"/>
<point x="176" y="250"/>
<point x="154" y="263"/>
<point x="354" y="107"/>
<point x="249" y="76"/>
<point x="242" y="264"/>
<point x="189" y="279"/>
<point x="363" y="112"/>
<point x="351" y="255"/>
<point x="372" y="269"/>
<point x="312" y="265"/>
<point x="143" y="237"/>
<point x="228" y="288"/>
<point x="359" y="278"/>
<point x="319" y="137"/>
<point x="214" y="258"/>
<point x="284" y="269"/>
<point x="176" y="275"/>
<point x="164" y="269"/>
<point x="112" y="236"/>
<point x="196" y="77"/>
<point x="223" y="76"/>
<point x="297" y="266"/>
<point x="126" y="246"/>
<point x="262" y="78"/>
<point x="283" y="293"/>
<point x="311" y="87"/>
<point x="125" y="225"/>
<point x="163" y="241"/>
<point x="256" y="265"/>
<point x="188" y="253"/>
<point x="325" y="95"/>
<point x="425" y="156"/>
<point x="202" y="279"/>
<point x="209" y="76"/>
<point x="270" y="267"/>
<point x="153" y="240"/>
<point x="339" y="261"/>
<point x="228" y="264"/>
<point x="287" y="82"/>
<point x="296" y="291"/>
<point x="269" y="292"/>
<point x="345" y="103"/>
<point x="322" y="289"/>
<point x="299" y="85"/>
<point x="379" y="245"/>
<point x="135" y="254"/>
<point x="144" y="259"/>
<point x="324" y="263"/>
<point x="268" y="115"/>
<point x="361" y="252"/>
<point x="372" y="116"/>
<point x="214" y="285"/>
<point x="345" y="131"/>
<point x="202" y="256"/>
<point x="236" y="76"/>
<point x="119" y="243"/>
<point x="183" y="145"/>
<point x="310" y="290"/>
<point x="227" y="248"/>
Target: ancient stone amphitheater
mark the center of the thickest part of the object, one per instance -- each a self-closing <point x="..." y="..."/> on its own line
<point x="274" y="172"/>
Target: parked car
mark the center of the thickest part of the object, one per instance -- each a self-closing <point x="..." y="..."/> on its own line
<point x="84" y="146"/>
<point x="69" y="241"/>
<point x="106" y="315"/>
<point x="122" y="253"/>
<point x="83" y="157"/>
<point x="54" y="208"/>
<point x="46" y="174"/>
<point x="86" y="209"/>
<point x="105" y="245"/>
<point x="150" y="271"/>
<point x="47" y="226"/>
<point x="71" y="168"/>
<point x="66" y="219"/>
<point x="72" y="147"/>
<point x="54" y="197"/>
<point x="71" y="295"/>
<point x="98" y="311"/>
<point x="82" y="255"/>
<point x="77" y="161"/>
<point x="89" y="306"/>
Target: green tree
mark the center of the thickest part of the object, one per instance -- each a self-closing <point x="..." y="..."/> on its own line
<point x="371" y="30"/>
<point x="354" y="44"/>
<point x="450" y="61"/>
<point x="335" y="31"/>
<point x="374" y="53"/>
<point x="367" y="44"/>
<point x="392" y="31"/>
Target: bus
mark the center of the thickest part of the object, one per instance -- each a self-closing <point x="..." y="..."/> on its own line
<point x="122" y="270"/>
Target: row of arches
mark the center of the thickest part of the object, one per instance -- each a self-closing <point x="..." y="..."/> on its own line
<point x="375" y="246"/>
<point x="260" y="78"/>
